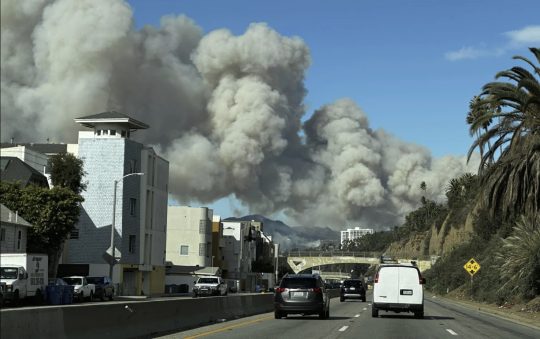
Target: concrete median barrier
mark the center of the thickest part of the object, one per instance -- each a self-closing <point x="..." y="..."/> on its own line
<point x="128" y="319"/>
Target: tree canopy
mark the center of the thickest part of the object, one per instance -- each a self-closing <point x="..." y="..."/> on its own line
<point x="53" y="213"/>
<point x="67" y="171"/>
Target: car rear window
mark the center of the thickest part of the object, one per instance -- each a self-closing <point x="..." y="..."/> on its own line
<point x="208" y="281"/>
<point x="299" y="283"/>
<point x="352" y="283"/>
<point x="95" y="280"/>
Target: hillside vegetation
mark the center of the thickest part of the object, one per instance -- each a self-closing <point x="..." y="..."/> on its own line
<point x="492" y="216"/>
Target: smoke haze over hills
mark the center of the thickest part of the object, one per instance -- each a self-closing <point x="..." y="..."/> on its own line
<point x="227" y="112"/>
<point x="292" y="237"/>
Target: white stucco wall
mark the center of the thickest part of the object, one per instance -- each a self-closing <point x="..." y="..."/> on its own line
<point x="184" y="228"/>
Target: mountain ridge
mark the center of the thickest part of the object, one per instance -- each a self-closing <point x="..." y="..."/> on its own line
<point x="291" y="237"/>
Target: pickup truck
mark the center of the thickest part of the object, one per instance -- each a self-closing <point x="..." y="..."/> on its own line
<point x="210" y="285"/>
<point x="82" y="289"/>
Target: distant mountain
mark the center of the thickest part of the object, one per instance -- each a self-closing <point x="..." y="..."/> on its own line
<point x="291" y="237"/>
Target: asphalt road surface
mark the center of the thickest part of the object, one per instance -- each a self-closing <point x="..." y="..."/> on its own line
<point x="352" y="319"/>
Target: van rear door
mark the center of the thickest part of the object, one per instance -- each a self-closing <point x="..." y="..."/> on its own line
<point x="387" y="285"/>
<point x="410" y="290"/>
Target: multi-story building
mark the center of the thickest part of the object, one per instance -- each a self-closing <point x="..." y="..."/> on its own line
<point x="37" y="155"/>
<point x="189" y="236"/>
<point x="354" y="233"/>
<point x="13" y="169"/>
<point x="239" y="252"/>
<point x="110" y="156"/>
<point x="218" y="243"/>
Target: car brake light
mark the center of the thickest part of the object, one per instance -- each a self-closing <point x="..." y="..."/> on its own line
<point x="377" y="277"/>
<point x="280" y="290"/>
<point x="317" y="290"/>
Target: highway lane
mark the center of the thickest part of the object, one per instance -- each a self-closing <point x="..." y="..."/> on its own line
<point x="352" y="319"/>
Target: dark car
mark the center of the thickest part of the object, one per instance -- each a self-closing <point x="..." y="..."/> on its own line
<point x="352" y="289"/>
<point x="301" y="294"/>
<point x="104" y="287"/>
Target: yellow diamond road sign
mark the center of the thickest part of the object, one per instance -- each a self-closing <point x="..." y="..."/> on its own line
<point x="472" y="266"/>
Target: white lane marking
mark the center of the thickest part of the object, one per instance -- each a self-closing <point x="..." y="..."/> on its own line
<point x="357" y="315"/>
<point x="451" y="332"/>
<point x="364" y="309"/>
<point x="343" y="329"/>
<point x="369" y="304"/>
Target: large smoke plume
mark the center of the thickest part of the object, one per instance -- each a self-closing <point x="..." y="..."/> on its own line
<point x="225" y="110"/>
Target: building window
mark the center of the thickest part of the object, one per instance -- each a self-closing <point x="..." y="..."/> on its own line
<point x="184" y="250"/>
<point x="74" y="234"/>
<point x="19" y="237"/>
<point x="202" y="226"/>
<point x="123" y="133"/>
<point x="98" y="132"/>
<point x="131" y="247"/>
<point x="132" y="166"/>
<point x="3" y="234"/>
<point x="112" y="132"/>
<point x="132" y="206"/>
<point x="202" y="249"/>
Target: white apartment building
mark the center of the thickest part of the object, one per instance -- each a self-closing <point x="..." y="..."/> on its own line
<point x="189" y="236"/>
<point x="109" y="154"/>
<point x="354" y="233"/>
<point x="239" y="251"/>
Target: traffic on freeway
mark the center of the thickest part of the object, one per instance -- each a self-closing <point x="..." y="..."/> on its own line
<point x="353" y="319"/>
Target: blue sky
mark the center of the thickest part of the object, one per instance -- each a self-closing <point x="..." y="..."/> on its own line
<point x="412" y="66"/>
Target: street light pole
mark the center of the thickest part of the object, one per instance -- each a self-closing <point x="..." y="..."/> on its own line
<point x="113" y="252"/>
<point x="276" y="255"/>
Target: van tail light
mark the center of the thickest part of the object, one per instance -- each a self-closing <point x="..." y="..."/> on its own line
<point x="280" y="290"/>
<point x="377" y="277"/>
<point x="317" y="290"/>
<point x="422" y="280"/>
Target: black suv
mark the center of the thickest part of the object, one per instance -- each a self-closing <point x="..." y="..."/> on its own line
<point x="301" y="293"/>
<point x="352" y="288"/>
<point x="104" y="287"/>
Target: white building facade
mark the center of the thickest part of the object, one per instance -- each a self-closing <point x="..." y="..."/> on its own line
<point x="110" y="155"/>
<point x="240" y="250"/>
<point x="354" y="233"/>
<point x="189" y="236"/>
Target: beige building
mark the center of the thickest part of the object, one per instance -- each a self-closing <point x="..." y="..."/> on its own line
<point x="189" y="236"/>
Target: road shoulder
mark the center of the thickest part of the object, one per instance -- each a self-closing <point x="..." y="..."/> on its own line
<point x="523" y="318"/>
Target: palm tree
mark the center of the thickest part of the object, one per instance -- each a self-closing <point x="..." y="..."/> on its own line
<point x="509" y="167"/>
<point x="516" y="106"/>
<point x="480" y="114"/>
<point x="520" y="258"/>
<point x="461" y="190"/>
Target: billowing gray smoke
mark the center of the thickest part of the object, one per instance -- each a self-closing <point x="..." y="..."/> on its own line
<point x="225" y="110"/>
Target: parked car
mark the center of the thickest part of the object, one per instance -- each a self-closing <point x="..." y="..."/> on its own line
<point x="301" y="293"/>
<point x="104" y="287"/>
<point x="210" y="285"/>
<point x="398" y="288"/>
<point x="352" y="289"/>
<point x="82" y="289"/>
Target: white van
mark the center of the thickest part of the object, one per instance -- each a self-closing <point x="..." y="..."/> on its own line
<point x="23" y="275"/>
<point x="398" y="288"/>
